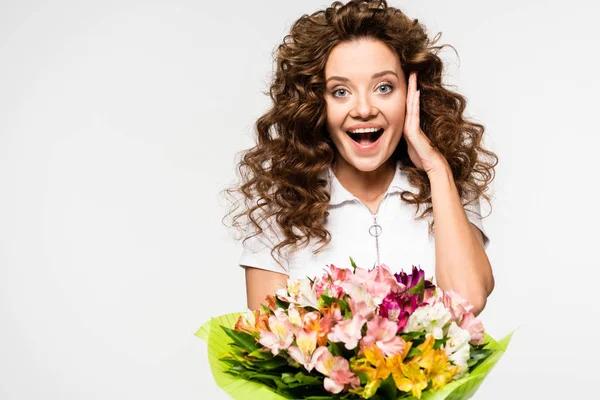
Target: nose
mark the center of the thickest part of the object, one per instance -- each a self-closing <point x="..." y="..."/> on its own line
<point x="363" y="107"/>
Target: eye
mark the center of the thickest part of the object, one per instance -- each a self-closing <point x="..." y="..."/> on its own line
<point x="388" y="86"/>
<point x="341" y="92"/>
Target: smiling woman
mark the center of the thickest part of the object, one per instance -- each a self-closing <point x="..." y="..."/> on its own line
<point x="366" y="103"/>
<point x="364" y="153"/>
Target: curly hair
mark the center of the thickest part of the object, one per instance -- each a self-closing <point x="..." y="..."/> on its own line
<point x="282" y="176"/>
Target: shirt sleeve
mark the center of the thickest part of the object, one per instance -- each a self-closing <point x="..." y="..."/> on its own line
<point x="257" y="254"/>
<point x="473" y="212"/>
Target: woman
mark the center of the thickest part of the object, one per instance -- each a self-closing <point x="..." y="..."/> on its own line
<point x="365" y="154"/>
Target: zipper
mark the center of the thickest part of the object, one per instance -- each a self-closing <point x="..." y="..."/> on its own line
<point x="375" y="229"/>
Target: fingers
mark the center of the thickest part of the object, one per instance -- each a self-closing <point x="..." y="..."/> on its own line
<point x="417" y="109"/>
<point x="412" y="105"/>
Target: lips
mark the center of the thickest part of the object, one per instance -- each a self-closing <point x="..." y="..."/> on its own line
<point x="365" y="138"/>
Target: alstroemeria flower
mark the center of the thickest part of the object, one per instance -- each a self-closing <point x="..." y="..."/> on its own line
<point x="330" y="317"/>
<point x="441" y="371"/>
<point x="294" y="316"/>
<point x="334" y="312"/>
<point x="373" y="364"/>
<point x="339" y="274"/>
<point x="331" y="289"/>
<point x="428" y="318"/>
<point x="410" y="378"/>
<point x="361" y="302"/>
<point x="399" y="307"/>
<point x="381" y="282"/>
<point x="305" y="352"/>
<point x="280" y="334"/>
<point x="382" y="332"/>
<point x="435" y="363"/>
<point x="475" y="327"/>
<point x="457" y="348"/>
<point x="299" y="292"/>
<point x="311" y="321"/>
<point x="253" y="322"/>
<point x="413" y="279"/>
<point x="457" y="305"/>
<point x="348" y="331"/>
<point x="337" y="372"/>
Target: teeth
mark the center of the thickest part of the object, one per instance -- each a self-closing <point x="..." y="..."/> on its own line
<point x="365" y="130"/>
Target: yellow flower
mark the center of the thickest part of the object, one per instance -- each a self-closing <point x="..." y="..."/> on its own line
<point x="408" y="376"/>
<point x="374" y="365"/>
<point x="371" y="388"/>
<point x="412" y="379"/>
<point x="375" y="356"/>
<point x="435" y="363"/>
<point x="441" y="372"/>
<point x="425" y="358"/>
<point x="394" y="363"/>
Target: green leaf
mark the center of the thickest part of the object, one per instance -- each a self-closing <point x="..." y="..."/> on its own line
<point x="242" y="339"/>
<point x="353" y="265"/>
<point x="477" y="356"/>
<point x="268" y="365"/>
<point x="388" y="389"/>
<point x="281" y="304"/>
<point x="261" y="354"/>
<point x="335" y="348"/>
<point x="419" y="288"/>
<point x="326" y="300"/>
<point x="439" y="343"/>
<point x="413" y="352"/>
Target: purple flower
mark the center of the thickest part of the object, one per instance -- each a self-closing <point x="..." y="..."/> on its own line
<point x="399" y="307"/>
<point x="413" y="279"/>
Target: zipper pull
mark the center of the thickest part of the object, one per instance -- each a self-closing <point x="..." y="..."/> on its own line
<point x="375" y="231"/>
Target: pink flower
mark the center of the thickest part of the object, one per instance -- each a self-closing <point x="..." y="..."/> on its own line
<point x="305" y="352"/>
<point x="333" y="290"/>
<point x="348" y="331"/>
<point x="475" y="328"/>
<point x="381" y="282"/>
<point x="365" y="309"/>
<point x="382" y="332"/>
<point x="456" y="304"/>
<point x="359" y="276"/>
<point x="337" y="372"/>
<point x="280" y="334"/>
<point x="339" y="274"/>
<point x="361" y="302"/>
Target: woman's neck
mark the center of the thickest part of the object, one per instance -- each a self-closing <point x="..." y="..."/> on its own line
<point x="367" y="186"/>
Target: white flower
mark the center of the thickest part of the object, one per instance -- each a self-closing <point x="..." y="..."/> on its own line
<point x="457" y="338"/>
<point x="294" y="316"/>
<point x="299" y="292"/>
<point x="431" y="319"/>
<point x="308" y="295"/>
<point x="458" y="349"/>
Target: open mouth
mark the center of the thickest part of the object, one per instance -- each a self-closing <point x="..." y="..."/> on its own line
<point x="365" y="139"/>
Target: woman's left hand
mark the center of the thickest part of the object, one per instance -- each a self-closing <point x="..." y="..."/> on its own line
<point x="420" y="150"/>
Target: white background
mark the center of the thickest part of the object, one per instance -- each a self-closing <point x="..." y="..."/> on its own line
<point x="119" y="124"/>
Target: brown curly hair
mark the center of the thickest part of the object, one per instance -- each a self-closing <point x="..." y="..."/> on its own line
<point x="282" y="176"/>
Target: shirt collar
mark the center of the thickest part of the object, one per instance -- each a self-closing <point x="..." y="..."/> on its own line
<point x="339" y="194"/>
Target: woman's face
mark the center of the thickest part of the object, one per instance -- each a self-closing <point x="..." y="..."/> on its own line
<point x="365" y="95"/>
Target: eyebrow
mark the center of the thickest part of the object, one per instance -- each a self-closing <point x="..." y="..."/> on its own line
<point x="377" y="75"/>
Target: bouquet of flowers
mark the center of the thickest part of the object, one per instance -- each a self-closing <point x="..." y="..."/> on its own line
<point x="350" y="334"/>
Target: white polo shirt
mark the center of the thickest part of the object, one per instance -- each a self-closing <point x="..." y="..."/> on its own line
<point x="402" y="240"/>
